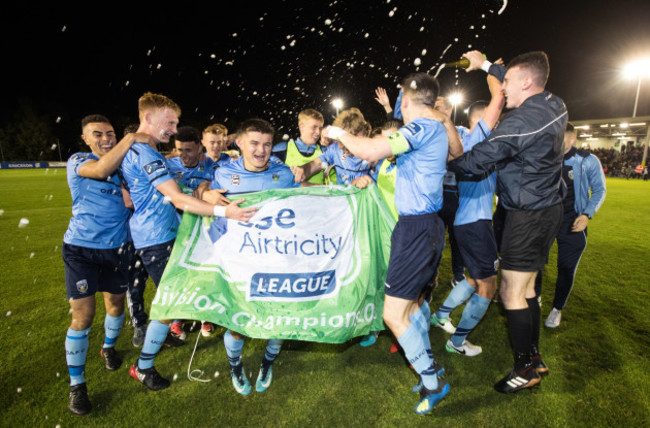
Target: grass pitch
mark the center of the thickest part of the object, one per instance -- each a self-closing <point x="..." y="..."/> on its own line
<point x="598" y="357"/>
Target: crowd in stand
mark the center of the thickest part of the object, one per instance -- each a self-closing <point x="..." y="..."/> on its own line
<point x="621" y="163"/>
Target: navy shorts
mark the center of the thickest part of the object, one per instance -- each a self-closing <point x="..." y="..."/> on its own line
<point x="478" y="248"/>
<point x="528" y="237"/>
<point x="416" y="244"/>
<point x="155" y="258"/>
<point x="90" y="270"/>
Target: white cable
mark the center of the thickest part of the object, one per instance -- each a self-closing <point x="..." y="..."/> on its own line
<point x="190" y="374"/>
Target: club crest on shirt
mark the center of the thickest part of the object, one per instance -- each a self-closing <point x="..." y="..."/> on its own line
<point x="275" y="176"/>
<point x="179" y="175"/>
<point x="235" y="179"/>
<point x="570" y="174"/>
<point x="82" y="286"/>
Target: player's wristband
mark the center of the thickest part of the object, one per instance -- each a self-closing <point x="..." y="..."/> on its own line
<point x="219" y="211"/>
<point x="486" y="65"/>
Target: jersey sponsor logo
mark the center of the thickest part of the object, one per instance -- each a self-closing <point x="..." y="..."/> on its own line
<point x="153" y="167"/>
<point x="235" y="179"/>
<point x="292" y="286"/>
<point x="82" y="286"/>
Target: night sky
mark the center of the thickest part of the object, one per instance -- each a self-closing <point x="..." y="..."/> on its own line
<point x="273" y="60"/>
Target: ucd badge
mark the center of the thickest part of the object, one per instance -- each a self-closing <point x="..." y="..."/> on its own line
<point x="275" y="177"/>
<point x="571" y="174"/>
<point x="82" y="286"/>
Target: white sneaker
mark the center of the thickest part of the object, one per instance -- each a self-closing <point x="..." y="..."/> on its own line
<point x="444" y="324"/>
<point x="466" y="348"/>
<point x="554" y="318"/>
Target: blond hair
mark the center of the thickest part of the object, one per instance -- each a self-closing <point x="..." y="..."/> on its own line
<point x="217" y="129"/>
<point x="150" y="101"/>
<point x="310" y="113"/>
<point x="352" y="121"/>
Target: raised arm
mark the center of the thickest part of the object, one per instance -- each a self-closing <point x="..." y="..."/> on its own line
<point x="107" y="164"/>
<point x="493" y="110"/>
<point x="382" y="98"/>
<point x="369" y="149"/>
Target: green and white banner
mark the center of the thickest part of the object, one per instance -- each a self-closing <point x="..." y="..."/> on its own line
<point x="310" y="265"/>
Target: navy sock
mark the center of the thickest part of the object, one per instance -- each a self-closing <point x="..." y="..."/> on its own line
<point x="519" y="326"/>
<point x="535" y="315"/>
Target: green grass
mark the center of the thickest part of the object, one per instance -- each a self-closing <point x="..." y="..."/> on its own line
<point x="598" y="357"/>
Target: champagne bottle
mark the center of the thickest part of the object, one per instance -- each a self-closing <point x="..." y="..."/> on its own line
<point x="461" y="63"/>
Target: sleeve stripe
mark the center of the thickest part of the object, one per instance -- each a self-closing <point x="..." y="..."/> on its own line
<point x="533" y="132"/>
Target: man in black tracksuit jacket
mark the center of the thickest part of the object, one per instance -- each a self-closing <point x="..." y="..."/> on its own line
<point x="527" y="149"/>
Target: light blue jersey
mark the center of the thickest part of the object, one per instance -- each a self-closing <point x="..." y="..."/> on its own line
<point x="236" y="179"/>
<point x="154" y="220"/>
<point x="192" y="177"/>
<point x="421" y="167"/>
<point x="223" y="159"/>
<point x="99" y="217"/>
<point x="475" y="195"/>
<point x="348" y="167"/>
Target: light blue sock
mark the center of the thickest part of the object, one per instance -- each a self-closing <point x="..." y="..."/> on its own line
<point x="153" y="340"/>
<point x="416" y="353"/>
<point x="76" y="348"/>
<point x="421" y="319"/>
<point x="426" y="313"/>
<point x="234" y="348"/>
<point x="112" y="329"/>
<point x="273" y="347"/>
<point x="472" y="314"/>
<point x="459" y="294"/>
